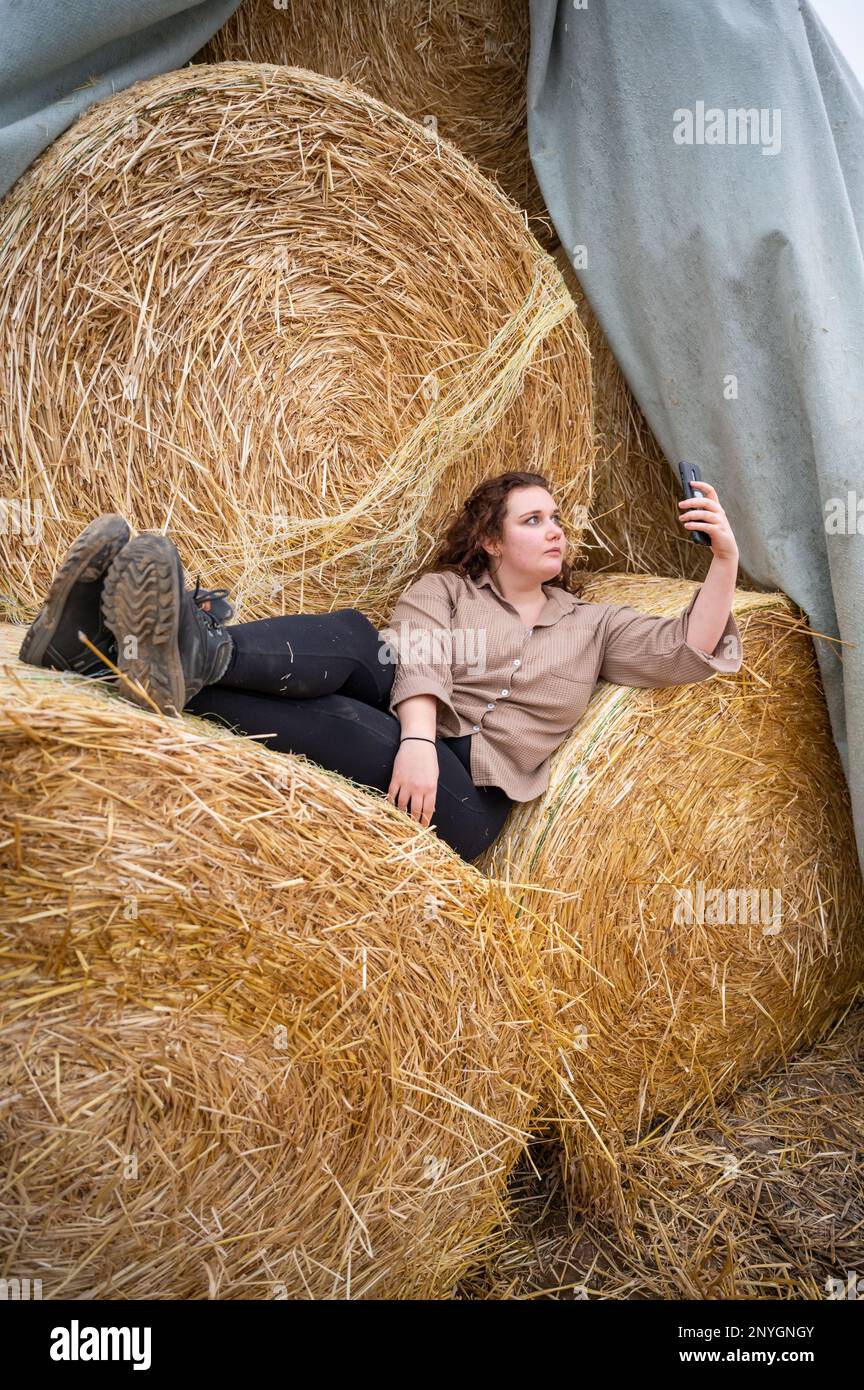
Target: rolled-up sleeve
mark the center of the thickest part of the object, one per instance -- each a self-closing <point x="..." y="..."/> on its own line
<point x="420" y="632"/>
<point x="650" y="652"/>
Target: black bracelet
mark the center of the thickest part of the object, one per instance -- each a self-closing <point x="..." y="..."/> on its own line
<point x="418" y="737"/>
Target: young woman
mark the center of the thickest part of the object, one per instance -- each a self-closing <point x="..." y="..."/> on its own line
<point x="454" y="710"/>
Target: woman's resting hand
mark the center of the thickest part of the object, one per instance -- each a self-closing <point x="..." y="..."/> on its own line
<point x="414" y="781"/>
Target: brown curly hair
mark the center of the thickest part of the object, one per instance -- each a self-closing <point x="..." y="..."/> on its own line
<point x="482" y="514"/>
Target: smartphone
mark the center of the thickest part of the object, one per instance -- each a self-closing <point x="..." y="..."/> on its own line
<point x="689" y="474"/>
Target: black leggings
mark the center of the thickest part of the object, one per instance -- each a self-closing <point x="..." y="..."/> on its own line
<point x="314" y="684"/>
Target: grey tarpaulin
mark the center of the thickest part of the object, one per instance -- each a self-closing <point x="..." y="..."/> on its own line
<point x="58" y="57"/>
<point x="727" y="267"/>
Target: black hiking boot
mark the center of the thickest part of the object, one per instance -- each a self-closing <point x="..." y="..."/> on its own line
<point x="166" y="641"/>
<point x="73" y="604"/>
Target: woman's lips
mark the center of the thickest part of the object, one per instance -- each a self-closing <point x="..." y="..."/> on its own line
<point x="556" y="550"/>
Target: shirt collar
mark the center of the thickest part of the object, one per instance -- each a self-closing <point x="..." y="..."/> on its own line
<point x="558" y="600"/>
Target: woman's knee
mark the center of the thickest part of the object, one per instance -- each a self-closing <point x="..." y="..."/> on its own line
<point x="358" y="627"/>
<point x="365" y="642"/>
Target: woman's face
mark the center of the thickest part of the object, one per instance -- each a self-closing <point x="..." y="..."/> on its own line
<point x="533" y="543"/>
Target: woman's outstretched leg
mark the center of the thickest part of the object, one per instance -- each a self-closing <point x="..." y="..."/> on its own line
<point x="301" y="655"/>
<point x="128" y="598"/>
<point x="170" y="647"/>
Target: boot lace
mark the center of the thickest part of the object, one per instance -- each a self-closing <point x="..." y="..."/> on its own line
<point x="220" y="610"/>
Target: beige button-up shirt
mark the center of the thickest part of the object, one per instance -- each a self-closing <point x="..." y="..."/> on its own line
<point x="518" y="690"/>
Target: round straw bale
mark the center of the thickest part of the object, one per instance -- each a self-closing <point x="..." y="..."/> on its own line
<point x="634" y="501"/>
<point x="257" y="307"/>
<point x="459" y="69"/>
<point x="763" y="1198"/>
<point x="263" y="1035"/>
<point x="695" y="861"/>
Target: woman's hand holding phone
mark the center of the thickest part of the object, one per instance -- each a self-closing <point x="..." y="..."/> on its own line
<point x="702" y="511"/>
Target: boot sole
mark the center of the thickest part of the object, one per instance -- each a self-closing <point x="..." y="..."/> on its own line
<point x="141" y="600"/>
<point x="86" y="560"/>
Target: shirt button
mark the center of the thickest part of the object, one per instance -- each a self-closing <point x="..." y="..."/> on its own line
<point x="517" y="662"/>
<point x="476" y="728"/>
<point x="491" y="706"/>
<point x="505" y="692"/>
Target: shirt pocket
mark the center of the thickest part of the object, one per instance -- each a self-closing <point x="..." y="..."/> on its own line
<point x="572" y="677"/>
<point x="569" y="691"/>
